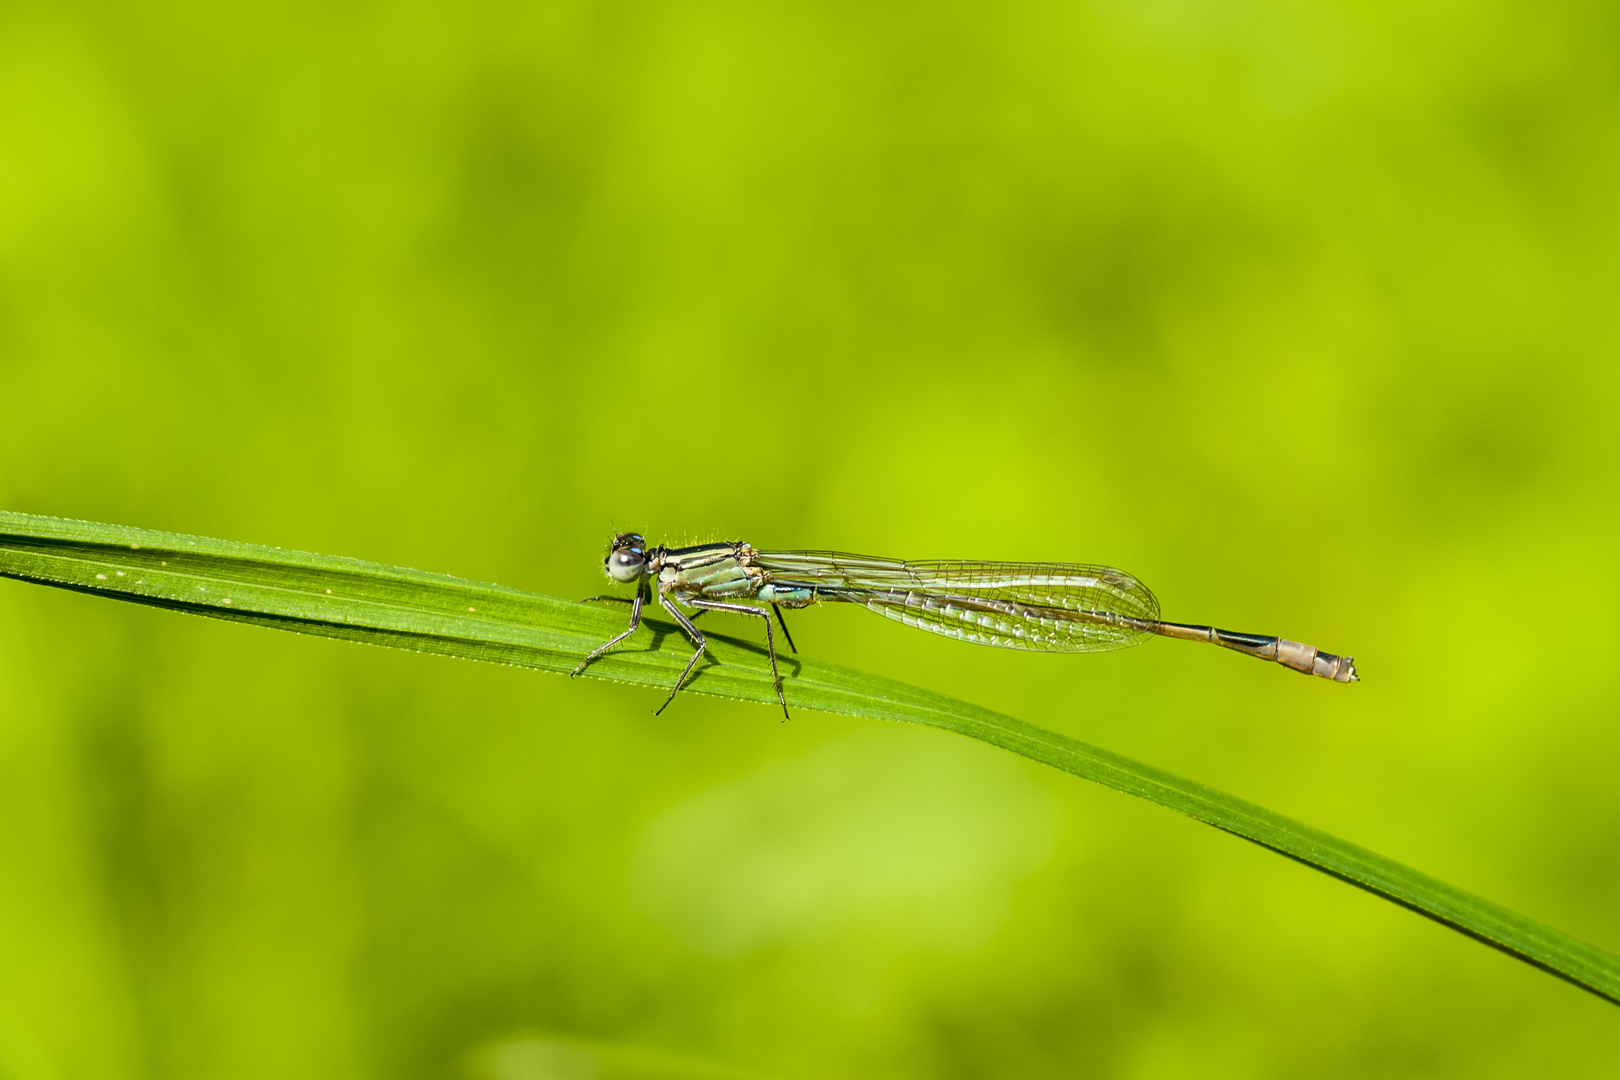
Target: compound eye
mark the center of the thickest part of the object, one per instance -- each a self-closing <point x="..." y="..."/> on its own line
<point x="625" y="564"/>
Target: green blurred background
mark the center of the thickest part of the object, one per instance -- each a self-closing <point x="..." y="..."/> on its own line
<point x="1304" y="312"/>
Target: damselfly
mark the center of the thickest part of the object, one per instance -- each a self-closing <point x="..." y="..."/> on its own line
<point x="1046" y="607"/>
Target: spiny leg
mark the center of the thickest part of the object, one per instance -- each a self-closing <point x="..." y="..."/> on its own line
<point x="635" y="621"/>
<point x="785" y="633"/>
<point x="697" y="639"/>
<point x="770" y="642"/>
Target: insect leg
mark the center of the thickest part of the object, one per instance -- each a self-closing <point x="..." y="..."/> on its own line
<point x="635" y="621"/>
<point x="785" y="633"/>
<point x="697" y="639"/>
<point x="770" y="641"/>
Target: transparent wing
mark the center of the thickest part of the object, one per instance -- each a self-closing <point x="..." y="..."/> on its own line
<point x="1048" y="607"/>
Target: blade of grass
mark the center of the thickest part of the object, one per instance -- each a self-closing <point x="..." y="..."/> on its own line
<point x="387" y="605"/>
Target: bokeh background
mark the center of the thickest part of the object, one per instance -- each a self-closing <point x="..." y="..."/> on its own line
<point x="1304" y="312"/>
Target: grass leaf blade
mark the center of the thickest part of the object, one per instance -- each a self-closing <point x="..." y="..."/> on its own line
<point x="385" y="605"/>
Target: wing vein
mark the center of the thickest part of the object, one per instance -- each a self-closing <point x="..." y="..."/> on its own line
<point x="1047" y="607"/>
